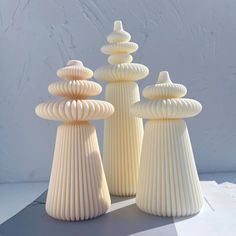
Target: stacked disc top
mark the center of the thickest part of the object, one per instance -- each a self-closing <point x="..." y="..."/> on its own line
<point x="75" y="88"/>
<point x="164" y="101"/>
<point x="119" y="48"/>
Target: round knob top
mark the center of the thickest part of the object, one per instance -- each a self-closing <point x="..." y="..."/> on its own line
<point x="74" y="63"/>
<point x="74" y="70"/>
<point x="75" y="84"/>
<point x="75" y="89"/>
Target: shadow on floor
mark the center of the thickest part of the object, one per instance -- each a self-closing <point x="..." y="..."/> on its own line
<point x="126" y="220"/>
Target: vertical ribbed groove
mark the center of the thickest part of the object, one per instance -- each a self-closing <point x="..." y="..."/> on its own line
<point x="67" y="205"/>
<point x="77" y="188"/>
<point x="122" y="139"/>
<point x="168" y="183"/>
<point x="152" y="189"/>
<point x="158" y="177"/>
<point x="180" y="183"/>
<point x="163" y="179"/>
<point x="61" y="164"/>
<point x="72" y="178"/>
<point x="92" y="208"/>
<point x="171" y="171"/>
<point x="175" y="178"/>
<point x="76" y="195"/>
<point x="93" y="184"/>
<point x="189" y="183"/>
<point x="64" y="175"/>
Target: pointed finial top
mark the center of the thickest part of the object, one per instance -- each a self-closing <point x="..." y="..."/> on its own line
<point x="118" y="26"/>
<point x="164" y="77"/>
<point x="169" y="103"/>
<point x="119" y="49"/>
<point x="164" y="88"/>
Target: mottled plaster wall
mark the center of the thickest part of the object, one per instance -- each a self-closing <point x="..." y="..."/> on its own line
<point x="194" y="40"/>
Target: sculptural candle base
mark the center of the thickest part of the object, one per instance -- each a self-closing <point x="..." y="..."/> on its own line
<point x="77" y="188"/>
<point x="123" y="135"/>
<point x="168" y="181"/>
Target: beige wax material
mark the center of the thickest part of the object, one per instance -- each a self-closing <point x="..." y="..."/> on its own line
<point x="77" y="188"/>
<point x="168" y="183"/>
<point x="123" y="132"/>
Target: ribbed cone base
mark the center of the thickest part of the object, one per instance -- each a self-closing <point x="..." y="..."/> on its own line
<point x="122" y="140"/>
<point x="77" y="188"/>
<point x="168" y="182"/>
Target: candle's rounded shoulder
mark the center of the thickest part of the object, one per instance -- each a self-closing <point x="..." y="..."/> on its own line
<point x="121" y="72"/>
<point x="166" y="109"/>
<point x="75" y="88"/>
<point x="75" y="110"/>
<point x="165" y="101"/>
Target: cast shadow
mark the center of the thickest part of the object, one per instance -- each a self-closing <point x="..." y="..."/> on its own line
<point x="126" y="220"/>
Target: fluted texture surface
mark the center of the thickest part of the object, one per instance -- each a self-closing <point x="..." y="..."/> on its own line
<point x="121" y="72"/>
<point x="168" y="183"/>
<point x="168" y="180"/>
<point x="75" y="88"/>
<point x="74" y="71"/>
<point x="167" y="108"/>
<point x="122" y="133"/>
<point x="77" y="188"/>
<point x="74" y="110"/>
<point x="164" y="90"/>
<point x="122" y="140"/>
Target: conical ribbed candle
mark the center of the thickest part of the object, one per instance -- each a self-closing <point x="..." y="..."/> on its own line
<point x="168" y="183"/>
<point x="123" y="133"/>
<point x="77" y="188"/>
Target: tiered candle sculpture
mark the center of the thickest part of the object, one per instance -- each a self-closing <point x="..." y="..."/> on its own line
<point x="77" y="188"/>
<point x="123" y="133"/>
<point x="168" y="183"/>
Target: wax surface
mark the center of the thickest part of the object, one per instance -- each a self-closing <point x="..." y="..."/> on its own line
<point x="168" y="183"/>
<point x="77" y="188"/>
<point x="123" y="132"/>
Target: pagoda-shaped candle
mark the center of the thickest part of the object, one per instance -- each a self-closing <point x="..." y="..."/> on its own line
<point x="77" y="188"/>
<point x="123" y="133"/>
<point x="168" y="183"/>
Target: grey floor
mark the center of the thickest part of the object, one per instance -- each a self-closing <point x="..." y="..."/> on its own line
<point x="124" y="218"/>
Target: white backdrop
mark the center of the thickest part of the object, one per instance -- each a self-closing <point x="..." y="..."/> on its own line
<point x="194" y="40"/>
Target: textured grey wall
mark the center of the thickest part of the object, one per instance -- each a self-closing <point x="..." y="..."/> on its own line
<point x="194" y="40"/>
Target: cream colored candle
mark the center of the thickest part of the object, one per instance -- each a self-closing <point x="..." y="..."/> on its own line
<point x="123" y="133"/>
<point x="77" y="188"/>
<point x="168" y="183"/>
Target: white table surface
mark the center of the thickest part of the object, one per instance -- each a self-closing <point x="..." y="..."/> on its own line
<point x="217" y="218"/>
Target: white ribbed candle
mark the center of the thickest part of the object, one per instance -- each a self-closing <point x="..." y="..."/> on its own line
<point x="122" y="132"/>
<point x="77" y="188"/>
<point x="168" y="183"/>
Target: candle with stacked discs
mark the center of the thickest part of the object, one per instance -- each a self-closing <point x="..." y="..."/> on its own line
<point x="77" y="188"/>
<point x="123" y="133"/>
<point x="168" y="183"/>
